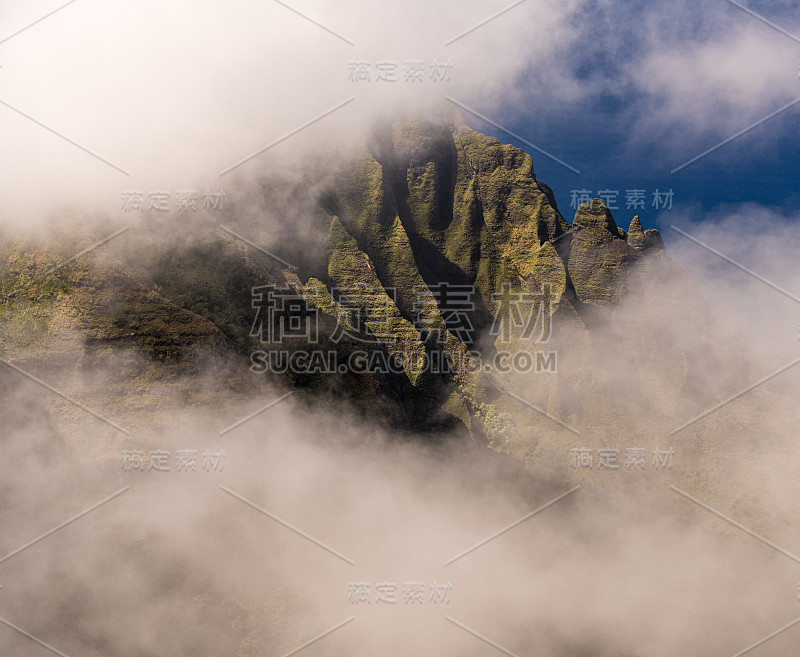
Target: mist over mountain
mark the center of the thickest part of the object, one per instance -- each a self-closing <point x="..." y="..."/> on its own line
<point x="459" y="355"/>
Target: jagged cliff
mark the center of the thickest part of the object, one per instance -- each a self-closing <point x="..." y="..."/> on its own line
<point x="561" y="329"/>
<point x="432" y="286"/>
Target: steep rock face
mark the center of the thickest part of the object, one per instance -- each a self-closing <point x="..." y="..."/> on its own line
<point x="598" y="255"/>
<point x="442" y="203"/>
<point x="439" y="204"/>
<point x="636" y="348"/>
<point x="596" y="328"/>
<point x="466" y="201"/>
<point x="635" y="237"/>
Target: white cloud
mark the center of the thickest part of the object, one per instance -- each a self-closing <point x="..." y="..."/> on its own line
<point x="734" y="73"/>
<point x="174" y="93"/>
<point x="762" y="240"/>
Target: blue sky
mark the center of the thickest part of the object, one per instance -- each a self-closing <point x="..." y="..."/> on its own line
<point x="621" y="133"/>
<point x="740" y="172"/>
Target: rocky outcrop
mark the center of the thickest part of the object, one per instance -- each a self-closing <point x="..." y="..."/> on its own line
<point x="486" y="296"/>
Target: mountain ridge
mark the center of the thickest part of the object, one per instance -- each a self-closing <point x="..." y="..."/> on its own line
<point x="426" y="205"/>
